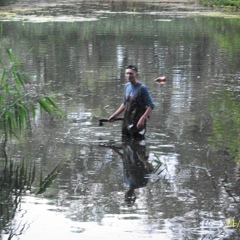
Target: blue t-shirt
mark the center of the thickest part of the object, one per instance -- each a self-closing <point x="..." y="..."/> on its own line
<point x="145" y="96"/>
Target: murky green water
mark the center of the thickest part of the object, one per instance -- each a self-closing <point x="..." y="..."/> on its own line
<point x="193" y="131"/>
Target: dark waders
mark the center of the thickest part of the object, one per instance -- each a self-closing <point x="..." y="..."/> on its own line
<point x="134" y="109"/>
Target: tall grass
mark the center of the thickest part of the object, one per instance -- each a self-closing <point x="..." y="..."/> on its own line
<point x="18" y="106"/>
<point x="17" y="111"/>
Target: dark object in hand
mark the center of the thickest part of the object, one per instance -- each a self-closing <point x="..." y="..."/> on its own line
<point x="101" y="121"/>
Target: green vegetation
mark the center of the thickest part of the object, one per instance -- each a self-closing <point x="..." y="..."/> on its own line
<point x="6" y="2"/>
<point x="18" y="107"/>
<point x="225" y="114"/>
<point x="230" y="4"/>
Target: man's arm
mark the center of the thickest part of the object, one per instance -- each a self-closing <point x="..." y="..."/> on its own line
<point x="118" y="112"/>
<point x="144" y="117"/>
<point x="148" y="101"/>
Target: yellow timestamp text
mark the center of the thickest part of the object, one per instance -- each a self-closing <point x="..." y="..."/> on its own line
<point x="233" y="223"/>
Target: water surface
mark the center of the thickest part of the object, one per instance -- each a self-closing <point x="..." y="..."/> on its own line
<point x="193" y="131"/>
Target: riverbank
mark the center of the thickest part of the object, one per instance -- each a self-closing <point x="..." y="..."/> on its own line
<point x="228" y="4"/>
<point x="208" y="3"/>
<point x="26" y="10"/>
<point x="224" y="5"/>
<point x="89" y="1"/>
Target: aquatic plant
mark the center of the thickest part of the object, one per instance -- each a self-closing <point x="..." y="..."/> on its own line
<point x="17" y="105"/>
<point x="18" y="108"/>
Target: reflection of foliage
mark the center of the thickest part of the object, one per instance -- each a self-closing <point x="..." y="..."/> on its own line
<point x="226" y="124"/>
<point x="15" y="180"/>
<point x="226" y="33"/>
<point x="16" y="177"/>
<point x="46" y="182"/>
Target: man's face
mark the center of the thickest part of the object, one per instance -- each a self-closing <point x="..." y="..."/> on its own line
<point x="131" y="75"/>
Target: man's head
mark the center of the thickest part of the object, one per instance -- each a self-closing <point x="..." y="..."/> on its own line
<point x="131" y="73"/>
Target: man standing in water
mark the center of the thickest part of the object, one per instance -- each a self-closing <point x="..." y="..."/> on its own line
<point x="137" y="105"/>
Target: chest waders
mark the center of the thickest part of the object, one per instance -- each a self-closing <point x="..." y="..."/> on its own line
<point x="134" y="109"/>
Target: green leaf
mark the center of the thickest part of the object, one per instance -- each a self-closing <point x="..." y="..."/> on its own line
<point x="6" y="88"/>
<point x="54" y="104"/>
<point x="12" y="58"/>
<point x="1" y="100"/>
<point x="33" y="110"/>
<point x="19" y="79"/>
<point x="3" y="77"/>
<point x="10" y="124"/>
<point x="44" y="105"/>
<point x="50" y="100"/>
<point x="16" y="104"/>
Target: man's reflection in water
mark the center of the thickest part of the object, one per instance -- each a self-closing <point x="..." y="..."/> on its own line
<point x="136" y="166"/>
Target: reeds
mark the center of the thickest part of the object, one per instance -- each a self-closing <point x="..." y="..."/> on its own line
<point x="18" y="106"/>
<point x="16" y="179"/>
<point x="17" y="111"/>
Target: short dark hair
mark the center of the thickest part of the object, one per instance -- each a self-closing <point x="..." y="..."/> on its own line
<point x="133" y="67"/>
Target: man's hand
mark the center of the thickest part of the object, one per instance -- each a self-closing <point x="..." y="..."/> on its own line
<point x="111" y="119"/>
<point x="140" y="123"/>
<point x="118" y="112"/>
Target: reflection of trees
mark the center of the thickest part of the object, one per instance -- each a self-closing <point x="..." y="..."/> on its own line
<point x="83" y="62"/>
<point x="90" y="44"/>
<point x="225" y="135"/>
<point x="225" y="115"/>
<point x="91" y="187"/>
